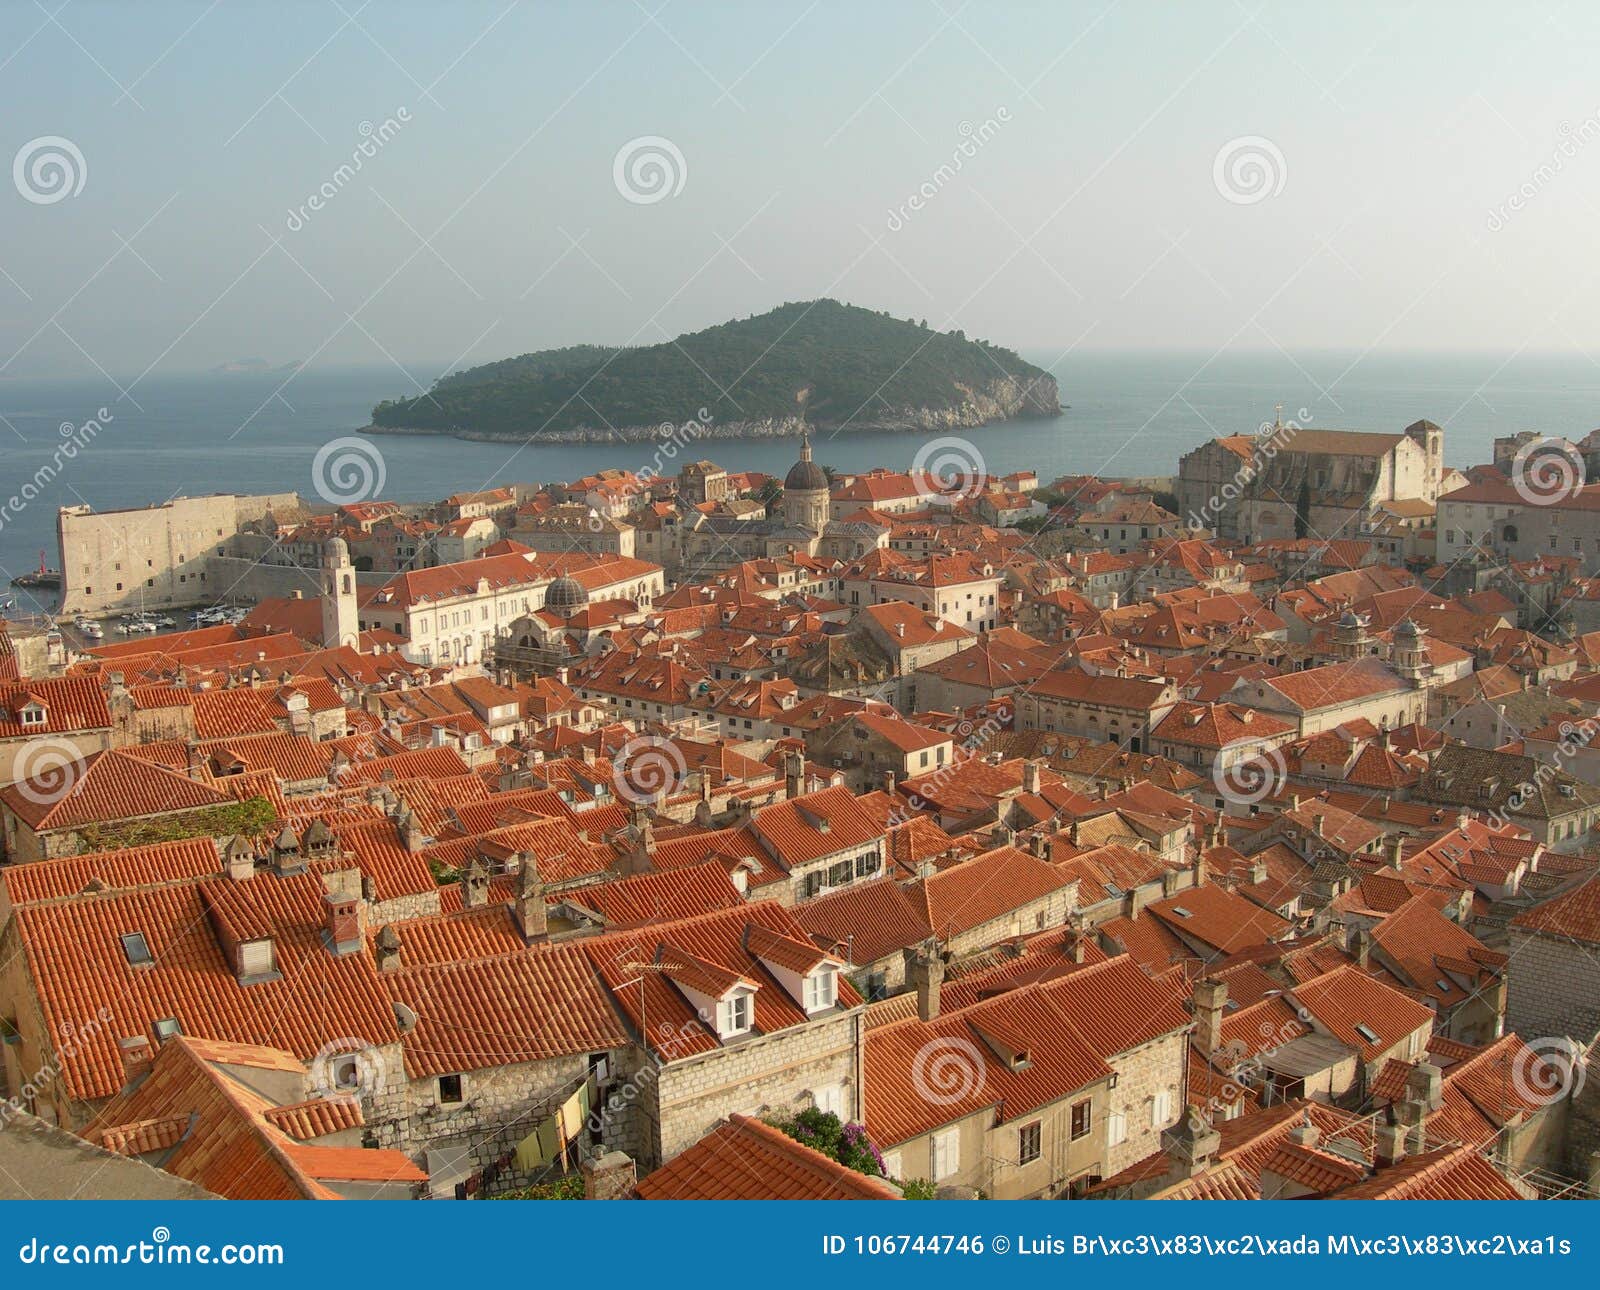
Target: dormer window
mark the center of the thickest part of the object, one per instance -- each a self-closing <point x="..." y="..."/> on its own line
<point x="256" y="959"/>
<point x="33" y="715"/>
<point x="735" y="1016"/>
<point x="821" y="989"/>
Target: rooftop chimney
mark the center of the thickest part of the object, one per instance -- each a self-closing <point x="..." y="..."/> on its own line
<point x="1388" y="1141"/>
<point x="474" y="886"/>
<point x="1424" y="1095"/>
<point x="1030" y="776"/>
<point x="609" y="1177"/>
<point x="927" y="974"/>
<point x="387" y="952"/>
<point x="1396" y="852"/>
<point x="794" y="769"/>
<point x="530" y="912"/>
<point x="1077" y="941"/>
<point x="1194" y="1144"/>
<point x="411" y="834"/>
<point x="239" y="860"/>
<point x="138" y="1057"/>
<point x="1360" y="946"/>
<point x="1210" y="1005"/>
<point x="1305" y="1134"/>
<point x="342" y="917"/>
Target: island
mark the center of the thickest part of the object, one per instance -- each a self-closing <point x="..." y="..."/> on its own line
<point x="819" y="364"/>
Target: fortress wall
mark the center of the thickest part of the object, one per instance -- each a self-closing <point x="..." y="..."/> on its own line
<point x="155" y="557"/>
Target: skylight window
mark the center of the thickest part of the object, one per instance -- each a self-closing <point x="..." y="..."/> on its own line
<point x="1367" y="1032"/>
<point x="1181" y="912"/>
<point x="166" y="1028"/>
<point x="137" y="950"/>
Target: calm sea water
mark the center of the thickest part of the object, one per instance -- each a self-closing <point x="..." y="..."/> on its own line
<point x="1127" y="414"/>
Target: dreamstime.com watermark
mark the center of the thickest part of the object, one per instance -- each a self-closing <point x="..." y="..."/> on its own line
<point x="373" y="140"/>
<point x="973" y="138"/>
<point x="671" y="438"/>
<point x="952" y="465"/>
<point x="648" y="170"/>
<point x="974" y="736"/>
<point x="1546" y="471"/>
<point x="1249" y="169"/>
<point x="1250" y="779"/>
<point x="1570" y="141"/>
<point x="48" y="170"/>
<point x="74" y="439"/>
<point x="1575" y="736"/>
<point x="672" y="1042"/>
<point x="160" y="1250"/>
<point x="348" y="470"/>
<point x="1244" y="1071"/>
<point x="1272" y="437"/>
<point x="648" y="769"/>
<point x="70" y="1039"/>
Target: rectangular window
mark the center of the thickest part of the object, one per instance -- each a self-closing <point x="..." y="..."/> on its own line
<point x="137" y="950"/>
<point x="449" y="1090"/>
<point x="735" y="1015"/>
<point x="891" y="1164"/>
<point x="1029" y="1137"/>
<point x="821" y="991"/>
<point x="1161" y="1109"/>
<point x="946" y="1153"/>
<point x="1116" y="1129"/>
<point x="1082" y="1121"/>
<point x="830" y="1100"/>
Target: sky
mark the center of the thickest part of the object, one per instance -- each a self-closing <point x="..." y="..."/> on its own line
<point x="1108" y="175"/>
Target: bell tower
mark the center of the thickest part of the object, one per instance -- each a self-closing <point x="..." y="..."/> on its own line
<point x="339" y="623"/>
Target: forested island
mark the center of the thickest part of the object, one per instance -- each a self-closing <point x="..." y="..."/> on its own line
<point x="843" y="367"/>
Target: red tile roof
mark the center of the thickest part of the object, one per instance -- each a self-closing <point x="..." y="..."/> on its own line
<point x="112" y="785"/>
<point x="79" y="970"/>
<point x="746" y="1159"/>
<point x="1574" y="915"/>
<point x="159" y="862"/>
<point x="1219" y="919"/>
<point x="1347" y="998"/>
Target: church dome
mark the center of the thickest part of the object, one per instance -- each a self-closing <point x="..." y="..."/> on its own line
<point x="565" y="593"/>
<point x="805" y="475"/>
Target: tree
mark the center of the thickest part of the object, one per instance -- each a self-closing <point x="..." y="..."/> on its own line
<point x="847" y="1143"/>
<point x="1302" y="509"/>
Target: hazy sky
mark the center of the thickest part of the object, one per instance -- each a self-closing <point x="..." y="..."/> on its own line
<point x="1089" y="208"/>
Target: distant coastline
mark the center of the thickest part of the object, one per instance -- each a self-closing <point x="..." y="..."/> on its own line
<point x="917" y="421"/>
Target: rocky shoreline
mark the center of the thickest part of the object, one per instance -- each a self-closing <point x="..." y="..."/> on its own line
<point x="1003" y="399"/>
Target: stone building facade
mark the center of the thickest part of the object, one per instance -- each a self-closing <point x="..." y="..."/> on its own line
<point x="154" y="557"/>
<point x="1324" y="482"/>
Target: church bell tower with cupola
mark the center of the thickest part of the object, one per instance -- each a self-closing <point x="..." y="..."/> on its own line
<point x="339" y="624"/>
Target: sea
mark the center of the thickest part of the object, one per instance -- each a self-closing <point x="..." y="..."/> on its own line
<point x="1126" y="414"/>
